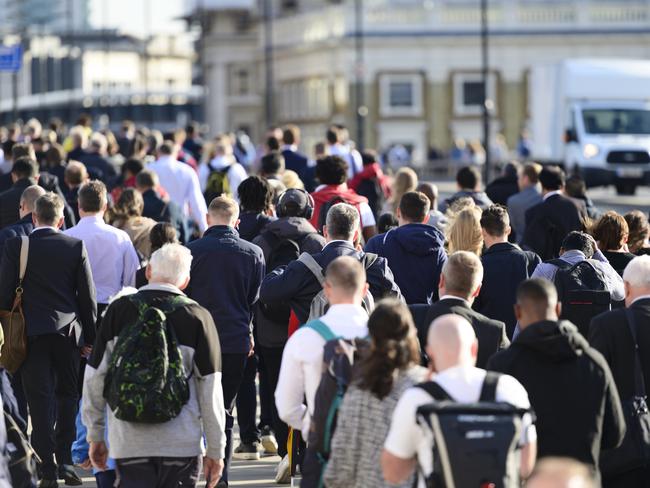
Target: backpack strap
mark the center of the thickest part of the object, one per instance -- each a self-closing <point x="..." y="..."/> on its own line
<point x="322" y="329"/>
<point x="560" y="263"/>
<point x="434" y="390"/>
<point x="369" y="259"/>
<point x="313" y="266"/>
<point x="489" y="389"/>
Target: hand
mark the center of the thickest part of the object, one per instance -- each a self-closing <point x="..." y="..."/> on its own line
<point x="86" y="464"/>
<point x="98" y="454"/>
<point x="86" y="350"/>
<point x="212" y="469"/>
<point x="251" y="351"/>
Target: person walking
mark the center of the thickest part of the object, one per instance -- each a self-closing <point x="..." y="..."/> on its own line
<point x="529" y="195"/>
<point x="26" y="223"/>
<point x="170" y="453"/>
<point x="225" y="279"/>
<point x="60" y="315"/>
<point x="570" y="386"/>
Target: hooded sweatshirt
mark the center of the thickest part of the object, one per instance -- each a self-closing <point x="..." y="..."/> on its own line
<point x="570" y="387"/>
<point x="416" y="255"/>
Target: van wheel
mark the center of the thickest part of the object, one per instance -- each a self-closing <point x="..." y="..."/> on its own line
<point x="625" y="189"/>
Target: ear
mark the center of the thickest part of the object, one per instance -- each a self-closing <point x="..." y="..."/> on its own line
<point x="325" y="232"/>
<point x="441" y="283"/>
<point x="477" y="291"/>
<point x="432" y="359"/>
<point x="34" y="219"/>
<point x="558" y="308"/>
<point x="474" y="350"/>
<point x="207" y="217"/>
<point x="517" y="312"/>
<point x="60" y="223"/>
<point x="366" y="289"/>
<point x="185" y="283"/>
<point x="508" y="231"/>
<point x="147" y="272"/>
<point x="357" y="236"/>
<point x="398" y="214"/>
<point x="237" y="222"/>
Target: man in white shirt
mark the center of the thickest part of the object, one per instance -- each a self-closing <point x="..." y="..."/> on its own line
<point x="112" y="257"/>
<point x="452" y="349"/>
<point x="336" y="144"/>
<point x="302" y="360"/>
<point x="182" y="184"/>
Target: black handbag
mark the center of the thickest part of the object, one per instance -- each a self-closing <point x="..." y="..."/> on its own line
<point x="634" y="451"/>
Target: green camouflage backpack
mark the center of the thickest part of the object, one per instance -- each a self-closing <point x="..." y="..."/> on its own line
<point x="146" y="380"/>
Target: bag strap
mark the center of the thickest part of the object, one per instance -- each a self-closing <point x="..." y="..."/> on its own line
<point x="435" y="390"/>
<point x="313" y="266"/>
<point x="369" y="259"/>
<point x="560" y="263"/>
<point x="24" y="252"/>
<point x="489" y="389"/>
<point x="639" y="382"/>
<point x="322" y="329"/>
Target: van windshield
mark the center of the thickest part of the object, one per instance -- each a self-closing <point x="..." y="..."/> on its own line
<point x="616" y="121"/>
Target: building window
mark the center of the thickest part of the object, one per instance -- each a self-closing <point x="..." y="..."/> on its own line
<point x="401" y="95"/>
<point x="469" y="91"/>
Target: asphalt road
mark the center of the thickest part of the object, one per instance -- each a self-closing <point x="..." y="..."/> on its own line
<point x="260" y="474"/>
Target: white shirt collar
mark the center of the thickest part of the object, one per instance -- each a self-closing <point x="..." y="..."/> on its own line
<point x="45" y="227"/>
<point x="89" y="219"/>
<point x="162" y="287"/>
<point x="452" y="297"/>
<point x="292" y="147"/>
<point x="551" y="193"/>
<point x="642" y="297"/>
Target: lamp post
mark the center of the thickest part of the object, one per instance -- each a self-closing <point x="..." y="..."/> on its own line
<point x="361" y="109"/>
<point x="268" y="63"/>
<point x="487" y="103"/>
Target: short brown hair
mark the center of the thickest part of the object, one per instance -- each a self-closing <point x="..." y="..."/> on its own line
<point x="224" y="208"/>
<point x="75" y="173"/>
<point x="92" y="196"/>
<point x="463" y="272"/>
<point x="146" y="179"/>
<point x="346" y="273"/>
<point x="532" y="171"/>
<point x="130" y="204"/>
<point x="414" y="206"/>
<point x="48" y="209"/>
<point x="495" y="220"/>
<point x="637" y="223"/>
<point x="290" y="134"/>
<point x="610" y="231"/>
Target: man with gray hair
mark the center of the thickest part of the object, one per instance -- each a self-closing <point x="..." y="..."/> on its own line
<point x="611" y="334"/>
<point x="460" y="284"/>
<point x="297" y="284"/>
<point x="170" y="453"/>
<point x="60" y="314"/>
<point x="25" y="225"/>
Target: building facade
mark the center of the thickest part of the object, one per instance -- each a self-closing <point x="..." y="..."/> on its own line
<point x="421" y="63"/>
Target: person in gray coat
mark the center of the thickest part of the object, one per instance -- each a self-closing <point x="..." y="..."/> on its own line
<point x="529" y="195"/>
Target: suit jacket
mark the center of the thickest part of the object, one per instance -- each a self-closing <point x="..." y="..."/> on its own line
<point x="161" y="211"/>
<point x="57" y="292"/>
<point x="518" y="204"/>
<point x="295" y="161"/>
<point x="491" y="334"/>
<point x="21" y="228"/>
<point x="548" y="223"/>
<point x="609" y="334"/>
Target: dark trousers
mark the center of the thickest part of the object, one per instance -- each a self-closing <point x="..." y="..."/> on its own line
<point x="158" y="472"/>
<point x="21" y="401"/>
<point x="247" y="403"/>
<point x="49" y="376"/>
<point x="232" y="373"/>
<point x="272" y="359"/>
<point x="265" y="395"/>
<point x="639" y="478"/>
<point x="106" y="479"/>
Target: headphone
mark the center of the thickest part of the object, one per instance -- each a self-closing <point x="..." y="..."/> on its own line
<point x="308" y="211"/>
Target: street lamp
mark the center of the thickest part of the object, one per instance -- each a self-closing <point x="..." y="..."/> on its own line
<point x="487" y="103"/>
<point x="268" y="62"/>
<point x="362" y="110"/>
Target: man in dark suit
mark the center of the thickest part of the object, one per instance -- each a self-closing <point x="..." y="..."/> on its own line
<point x="25" y="225"/>
<point x="95" y="160"/>
<point x="296" y="285"/>
<point x="549" y="222"/>
<point x="610" y="334"/>
<point x="293" y="160"/>
<point x="60" y="315"/>
<point x="156" y="208"/>
<point x="460" y="284"/>
<point x="23" y="174"/>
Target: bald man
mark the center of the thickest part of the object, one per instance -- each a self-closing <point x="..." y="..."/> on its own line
<point x="452" y="348"/>
<point x="25" y="225"/>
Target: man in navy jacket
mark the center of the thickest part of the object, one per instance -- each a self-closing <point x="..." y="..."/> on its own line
<point x="415" y="251"/>
<point x="293" y="160"/>
<point x="225" y="278"/>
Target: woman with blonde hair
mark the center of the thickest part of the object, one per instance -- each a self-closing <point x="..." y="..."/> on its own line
<point x="464" y="231"/>
<point x="404" y="181"/>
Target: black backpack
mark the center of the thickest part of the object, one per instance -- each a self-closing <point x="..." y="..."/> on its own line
<point x="20" y="455"/>
<point x="339" y="357"/>
<point x="325" y="207"/>
<point x="582" y="290"/>
<point x="371" y="189"/>
<point x="283" y="251"/>
<point x="146" y="380"/>
<point x="474" y="444"/>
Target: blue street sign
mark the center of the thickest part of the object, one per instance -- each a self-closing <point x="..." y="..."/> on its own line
<point x="11" y="58"/>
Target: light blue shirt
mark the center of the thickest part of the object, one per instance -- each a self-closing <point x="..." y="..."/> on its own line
<point x="112" y="257"/>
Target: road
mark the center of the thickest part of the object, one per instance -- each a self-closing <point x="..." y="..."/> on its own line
<point x="260" y="474"/>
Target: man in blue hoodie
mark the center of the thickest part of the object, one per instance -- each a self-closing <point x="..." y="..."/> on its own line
<point x="415" y="251"/>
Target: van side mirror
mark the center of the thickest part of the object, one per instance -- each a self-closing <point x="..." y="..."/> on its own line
<point x="570" y="136"/>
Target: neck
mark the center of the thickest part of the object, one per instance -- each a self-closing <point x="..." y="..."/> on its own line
<point x="635" y="294"/>
<point x="83" y="214"/>
<point x="444" y="292"/>
<point x="491" y="240"/>
<point x="525" y="322"/>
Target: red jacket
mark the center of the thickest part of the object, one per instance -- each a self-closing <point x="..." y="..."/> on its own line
<point x="372" y="171"/>
<point x="328" y="193"/>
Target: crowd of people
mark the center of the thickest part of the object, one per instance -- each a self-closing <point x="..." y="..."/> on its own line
<point x="167" y="281"/>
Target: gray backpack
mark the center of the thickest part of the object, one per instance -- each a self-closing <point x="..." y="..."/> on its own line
<point x="319" y="304"/>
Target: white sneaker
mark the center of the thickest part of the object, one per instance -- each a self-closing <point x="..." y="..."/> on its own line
<point x="269" y="444"/>
<point x="283" y="475"/>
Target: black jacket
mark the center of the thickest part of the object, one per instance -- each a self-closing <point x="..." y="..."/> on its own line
<point x="161" y="211"/>
<point x="505" y="266"/>
<point x="298" y="286"/>
<point x="548" y="223"/>
<point x="571" y="390"/>
<point x="610" y="335"/>
<point x="99" y="168"/>
<point x="225" y="278"/>
<point x="502" y="188"/>
<point x="21" y="228"/>
<point x="491" y="334"/>
<point x="298" y="229"/>
<point x="251" y="224"/>
<point x="58" y="292"/>
<point x="297" y="162"/>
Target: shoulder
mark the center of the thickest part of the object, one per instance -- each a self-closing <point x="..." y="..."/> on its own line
<point x="608" y="321"/>
<point x="250" y="248"/>
<point x="377" y="241"/>
<point x="510" y="390"/>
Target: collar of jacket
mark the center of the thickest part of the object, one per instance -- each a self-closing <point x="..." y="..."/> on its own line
<point x="24" y="182"/>
<point x="27" y="219"/>
<point x="500" y="247"/>
<point x="452" y="300"/>
<point x="221" y="231"/>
